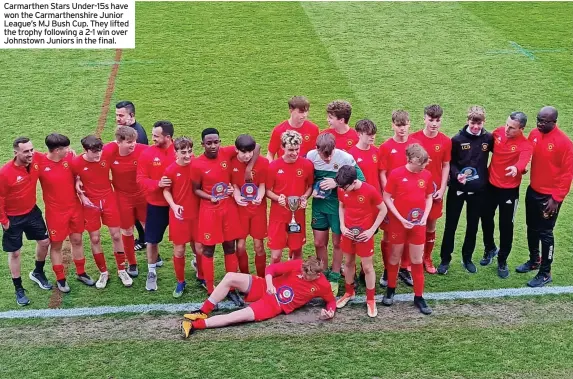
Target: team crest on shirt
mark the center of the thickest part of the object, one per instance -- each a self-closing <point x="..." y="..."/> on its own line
<point x="335" y="166"/>
<point x="307" y="137"/>
<point x="550" y="147"/>
<point x="285" y="294"/>
<point x="135" y="163"/>
<point x="102" y="163"/>
<point x="360" y="198"/>
<point x="207" y="236"/>
<point x="299" y="172"/>
<point x="36" y="166"/>
<point x="513" y="147"/>
<point x="224" y="164"/>
<point x="394" y="236"/>
<point x="313" y="289"/>
<point x="374" y="158"/>
<point x="484" y="147"/>
<point x="349" y="142"/>
<point x="437" y="147"/>
<point x="53" y="232"/>
<point x="421" y="183"/>
<point x="65" y="164"/>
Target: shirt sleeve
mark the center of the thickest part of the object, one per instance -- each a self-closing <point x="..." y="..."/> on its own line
<point x="281" y="268"/>
<point x="275" y="142"/>
<point x="326" y="294"/>
<point x="142" y="178"/>
<point x="429" y="183"/>
<point x="563" y="181"/>
<point x="263" y="170"/>
<point x="3" y="194"/>
<point x="525" y="153"/>
<point x="382" y="158"/>
<point x="376" y="198"/>
<point x="391" y="183"/>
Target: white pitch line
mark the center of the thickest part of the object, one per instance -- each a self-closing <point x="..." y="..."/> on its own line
<point x="179" y="308"/>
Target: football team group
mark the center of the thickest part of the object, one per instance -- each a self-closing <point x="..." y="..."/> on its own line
<point x="220" y="196"/>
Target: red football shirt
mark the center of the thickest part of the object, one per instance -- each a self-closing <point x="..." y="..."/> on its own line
<point x="308" y="130"/>
<point x="508" y="152"/>
<point x="439" y="150"/>
<point x="392" y="154"/>
<point x="124" y="170"/>
<point x="344" y="141"/>
<point x="58" y="183"/>
<point x="259" y="173"/>
<point x="18" y="189"/>
<point x="289" y="179"/>
<point x="293" y="291"/>
<point x="211" y="171"/>
<point x="360" y="206"/>
<point x="367" y="160"/>
<point x="552" y="163"/>
<point x="150" y="168"/>
<point x="408" y="189"/>
<point x="182" y="189"/>
<point x="94" y="176"/>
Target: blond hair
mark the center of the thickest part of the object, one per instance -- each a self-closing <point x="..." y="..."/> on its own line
<point x="476" y="114"/>
<point x="400" y="117"/>
<point x="125" y="133"/>
<point x="312" y="267"/>
<point x="291" y="138"/>
<point x="416" y="152"/>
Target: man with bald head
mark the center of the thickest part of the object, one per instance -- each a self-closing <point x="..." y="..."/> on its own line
<point x="551" y="176"/>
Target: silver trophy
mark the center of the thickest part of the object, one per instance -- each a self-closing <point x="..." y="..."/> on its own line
<point x="293" y="203"/>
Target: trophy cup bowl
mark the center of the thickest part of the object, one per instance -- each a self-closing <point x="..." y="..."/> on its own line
<point x="293" y="203"/>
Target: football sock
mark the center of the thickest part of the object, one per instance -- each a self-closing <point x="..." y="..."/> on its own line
<point x="129" y="247"/>
<point x="243" y="258"/>
<point x="199" y="265"/>
<point x="80" y="266"/>
<point x="119" y="260"/>
<point x="59" y="271"/>
<point x="208" y="273"/>
<point x="199" y="324"/>
<point x="261" y="264"/>
<point x="17" y="282"/>
<point x="405" y="262"/>
<point x="418" y="278"/>
<point x="179" y="266"/>
<point x="392" y="275"/>
<point x="349" y="288"/>
<point x="207" y="306"/>
<point x="151" y="268"/>
<point x="231" y="262"/>
<point x="384" y="247"/>
<point x="429" y="245"/>
<point x="100" y="262"/>
<point x="39" y="267"/>
<point x="370" y="292"/>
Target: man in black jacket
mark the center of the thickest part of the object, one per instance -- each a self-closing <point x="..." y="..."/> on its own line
<point x="468" y="180"/>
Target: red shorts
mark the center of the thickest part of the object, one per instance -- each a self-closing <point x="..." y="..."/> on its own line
<point x="62" y="222"/>
<point x="279" y="238"/>
<point x="384" y="224"/>
<point x="436" y="211"/>
<point x="182" y="231"/>
<point x="254" y="222"/>
<point x="399" y="234"/>
<point x="264" y="306"/>
<point x="107" y="213"/>
<point x="362" y="249"/>
<point x="131" y="209"/>
<point x="219" y="223"/>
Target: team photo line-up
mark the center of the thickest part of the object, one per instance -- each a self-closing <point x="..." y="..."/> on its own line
<point x="220" y="197"/>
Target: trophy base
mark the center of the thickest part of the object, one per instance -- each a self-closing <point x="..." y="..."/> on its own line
<point x="293" y="228"/>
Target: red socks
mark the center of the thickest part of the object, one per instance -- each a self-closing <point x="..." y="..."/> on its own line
<point x="80" y="266"/>
<point x="119" y="260"/>
<point x="392" y="275"/>
<point x="179" y="266"/>
<point x="59" y="271"/>
<point x="385" y="248"/>
<point x="429" y="245"/>
<point x="207" y="307"/>
<point x="208" y="273"/>
<point x="418" y="278"/>
<point x="129" y="247"/>
<point x="349" y="288"/>
<point x="261" y="264"/>
<point x="99" y="259"/>
<point x="405" y="262"/>
<point x="199" y="324"/>
<point x="199" y="265"/>
<point x="243" y="258"/>
<point x="231" y="262"/>
<point x="370" y="292"/>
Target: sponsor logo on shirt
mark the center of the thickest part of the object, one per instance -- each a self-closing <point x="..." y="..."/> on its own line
<point x="115" y="162"/>
<point x="19" y="179"/>
<point x="208" y="171"/>
<point x="359" y="160"/>
<point x="235" y="169"/>
<point x="535" y="140"/>
<point x="156" y="161"/>
<point x="47" y="169"/>
<point x="394" y="151"/>
<point x="404" y="180"/>
<point x="178" y="174"/>
<point x="465" y="146"/>
<point x="85" y="168"/>
<point x="280" y="171"/>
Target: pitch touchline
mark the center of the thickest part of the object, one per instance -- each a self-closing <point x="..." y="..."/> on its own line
<point x="177" y="308"/>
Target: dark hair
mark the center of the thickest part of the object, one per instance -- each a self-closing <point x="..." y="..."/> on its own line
<point x="55" y="141"/>
<point x="182" y="143"/>
<point x="20" y="140"/>
<point x="325" y="144"/>
<point x="208" y="131"/>
<point x="400" y="117"/>
<point x="92" y="143"/>
<point x="166" y="126"/>
<point x="245" y="143"/>
<point x="366" y="126"/>
<point x="345" y="176"/>
<point x="520" y="117"/>
<point x="127" y="105"/>
<point x="340" y="109"/>
<point x="433" y="111"/>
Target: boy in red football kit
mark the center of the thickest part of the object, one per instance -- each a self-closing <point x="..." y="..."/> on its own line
<point x="286" y="287"/>
<point x="391" y="155"/>
<point x="366" y="154"/>
<point x="150" y="168"/>
<point x="289" y="176"/>
<point x="64" y="212"/>
<point x="124" y="154"/>
<point x="361" y="213"/>
<point x="184" y="209"/>
<point x="298" y="107"/>
<point x="439" y="148"/>
<point x="253" y="207"/>
<point x="338" y="114"/>
<point x="220" y="223"/>
<point x="100" y="206"/>
<point x="408" y="196"/>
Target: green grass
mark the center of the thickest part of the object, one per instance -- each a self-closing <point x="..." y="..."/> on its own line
<point x="234" y="66"/>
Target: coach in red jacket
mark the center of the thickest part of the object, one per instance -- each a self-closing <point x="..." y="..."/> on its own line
<point x="551" y="175"/>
